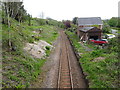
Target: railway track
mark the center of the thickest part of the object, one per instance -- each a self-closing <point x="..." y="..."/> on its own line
<point x="65" y="77"/>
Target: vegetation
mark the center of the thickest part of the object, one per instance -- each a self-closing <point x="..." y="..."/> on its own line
<point x="17" y="12"/>
<point x="67" y="24"/>
<point x="74" y="21"/>
<point x="100" y="65"/>
<point x="114" y="23"/>
<point x="16" y="62"/>
<point x="109" y="24"/>
<point x="106" y="27"/>
<point x="19" y="67"/>
<point x="72" y="28"/>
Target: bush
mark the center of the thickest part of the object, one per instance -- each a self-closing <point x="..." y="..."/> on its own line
<point x="47" y="47"/>
<point x="113" y="45"/>
<point x="106" y="28"/>
<point x="55" y="33"/>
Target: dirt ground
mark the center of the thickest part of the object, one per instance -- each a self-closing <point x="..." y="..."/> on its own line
<point x="49" y="76"/>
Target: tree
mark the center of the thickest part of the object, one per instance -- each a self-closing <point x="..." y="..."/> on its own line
<point x="13" y="10"/>
<point x="106" y="28"/>
<point x="74" y="21"/>
<point x="29" y="18"/>
<point x="6" y="14"/>
<point x="118" y="23"/>
<point x="67" y="24"/>
<point x="113" y="22"/>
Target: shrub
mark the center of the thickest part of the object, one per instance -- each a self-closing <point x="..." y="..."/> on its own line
<point x="47" y="47"/>
<point x="113" y="45"/>
<point x="55" y="33"/>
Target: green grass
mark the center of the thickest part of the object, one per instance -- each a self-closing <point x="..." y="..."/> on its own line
<point x="118" y="31"/>
<point x="19" y="67"/>
<point x="100" y="73"/>
<point x="49" y="34"/>
<point x="115" y="28"/>
<point x="23" y="68"/>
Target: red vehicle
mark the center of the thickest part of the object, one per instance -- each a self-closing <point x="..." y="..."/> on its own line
<point x="100" y="41"/>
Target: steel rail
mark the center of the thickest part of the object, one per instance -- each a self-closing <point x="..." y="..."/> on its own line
<point x="64" y="41"/>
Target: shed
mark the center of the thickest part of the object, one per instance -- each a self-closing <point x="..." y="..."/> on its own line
<point x="88" y="21"/>
<point x="86" y="33"/>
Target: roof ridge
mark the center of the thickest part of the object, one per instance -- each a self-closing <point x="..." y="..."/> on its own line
<point x="90" y="21"/>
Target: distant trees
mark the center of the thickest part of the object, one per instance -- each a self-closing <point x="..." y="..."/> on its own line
<point x="67" y="24"/>
<point x="74" y="21"/>
<point x="118" y="24"/>
<point x="113" y="22"/>
<point x="14" y="10"/>
<point x="106" y="27"/>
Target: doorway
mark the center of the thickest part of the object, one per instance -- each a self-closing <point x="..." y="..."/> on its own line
<point x="93" y="37"/>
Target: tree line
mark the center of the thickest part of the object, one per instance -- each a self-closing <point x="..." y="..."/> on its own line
<point x="13" y="10"/>
<point x="114" y="22"/>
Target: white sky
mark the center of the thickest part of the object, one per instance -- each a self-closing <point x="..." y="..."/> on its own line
<point x="68" y="9"/>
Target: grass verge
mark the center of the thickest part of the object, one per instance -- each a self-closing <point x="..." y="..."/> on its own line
<point x="100" y="65"/>
<point x="19" y="67"/>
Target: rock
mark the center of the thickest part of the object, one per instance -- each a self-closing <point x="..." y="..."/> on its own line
<point x="37" y="49"/>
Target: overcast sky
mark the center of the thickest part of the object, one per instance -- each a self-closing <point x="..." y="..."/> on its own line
<point x="68" y="9"/>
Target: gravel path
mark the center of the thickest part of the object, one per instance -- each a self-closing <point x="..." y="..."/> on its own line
<point x="51" y="67"/>
<point x="49" y="75"/>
